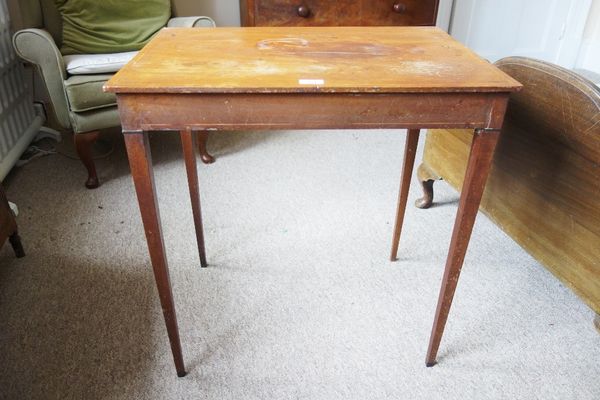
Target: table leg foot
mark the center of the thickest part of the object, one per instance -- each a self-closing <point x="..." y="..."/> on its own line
<point x="480" y="160"/>
<point x="410" y="150"/>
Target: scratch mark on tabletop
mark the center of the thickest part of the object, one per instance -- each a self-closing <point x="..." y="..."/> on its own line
<point x="592" y="126"/>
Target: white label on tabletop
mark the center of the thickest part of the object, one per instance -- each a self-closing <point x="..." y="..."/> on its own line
<point x="311" y="81"/>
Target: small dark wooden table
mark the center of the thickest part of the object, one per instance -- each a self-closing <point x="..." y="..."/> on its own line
<point x="8" y="226"/>
<point x="188" y="80"/>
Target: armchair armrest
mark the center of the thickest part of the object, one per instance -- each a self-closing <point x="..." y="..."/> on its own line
<point x="191" y="22"/>
<point x="37" y="47"/>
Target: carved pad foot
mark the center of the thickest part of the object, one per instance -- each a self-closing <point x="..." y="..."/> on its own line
<point x="427" y="200"/>
<point x="207" y="158"/>
<point x="92" y="182"/>
<point x="427" y="178"/>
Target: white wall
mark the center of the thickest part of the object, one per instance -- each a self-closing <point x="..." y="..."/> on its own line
<point x="548" y="30"/>
<point x="589" y="53"/>
<point x="444" y="14"/>
<point x="224" y="12"/>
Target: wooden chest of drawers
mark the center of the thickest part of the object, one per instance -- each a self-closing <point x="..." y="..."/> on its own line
<point x="338" y="12"/>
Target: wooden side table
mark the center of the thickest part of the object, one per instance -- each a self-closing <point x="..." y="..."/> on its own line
<point x="308" y="78"/>
<point x="8" y="226"/>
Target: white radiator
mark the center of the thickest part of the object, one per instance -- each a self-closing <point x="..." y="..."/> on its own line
<point x="18" y="121"/>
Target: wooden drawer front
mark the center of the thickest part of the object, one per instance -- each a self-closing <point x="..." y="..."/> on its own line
<point x="342" y="12"/>
<point x="399" y="12"/>
<point x="307" y="13"/>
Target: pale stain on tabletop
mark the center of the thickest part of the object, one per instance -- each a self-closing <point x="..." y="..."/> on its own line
<point x="302" y="47"/>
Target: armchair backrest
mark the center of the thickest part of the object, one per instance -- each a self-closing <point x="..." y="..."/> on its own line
<point x="52" y="20"/>
<point x="42" y="14"/>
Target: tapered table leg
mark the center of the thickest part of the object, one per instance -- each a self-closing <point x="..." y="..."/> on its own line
<point x="478" y="167"/>
<point x="410" y="150"/>
<point x="140" y="162"/>
<point x="188" y="140"/>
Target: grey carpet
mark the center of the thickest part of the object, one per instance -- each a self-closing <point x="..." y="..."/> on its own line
<point x="300" y="300"/>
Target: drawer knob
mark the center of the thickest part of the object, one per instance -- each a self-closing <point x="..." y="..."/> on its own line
<point x="399" y="8"/>
<point x="303" y="11"/>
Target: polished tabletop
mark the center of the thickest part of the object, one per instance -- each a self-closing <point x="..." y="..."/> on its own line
<point x="307" y="59"/>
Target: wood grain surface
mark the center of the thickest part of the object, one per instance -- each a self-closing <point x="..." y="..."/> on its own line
<point x="314" y="59"/>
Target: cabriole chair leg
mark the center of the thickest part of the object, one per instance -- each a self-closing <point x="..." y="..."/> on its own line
<point x="83" y="146"/>
<point x="427" y="178"/>
<point x="15" y="242"/>
<point x="204" y="155"/>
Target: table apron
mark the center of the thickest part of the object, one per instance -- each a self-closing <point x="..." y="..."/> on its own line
<point x="231" y="111"/>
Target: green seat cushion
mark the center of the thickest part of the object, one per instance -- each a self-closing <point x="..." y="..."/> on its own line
<point x="85" y="92"/>
<point x="110" y="26"/>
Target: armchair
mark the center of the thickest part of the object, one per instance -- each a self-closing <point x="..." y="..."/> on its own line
<point x="74" y="83"/>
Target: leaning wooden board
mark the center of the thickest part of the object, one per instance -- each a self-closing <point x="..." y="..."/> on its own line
<point x="544" y="185"/>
